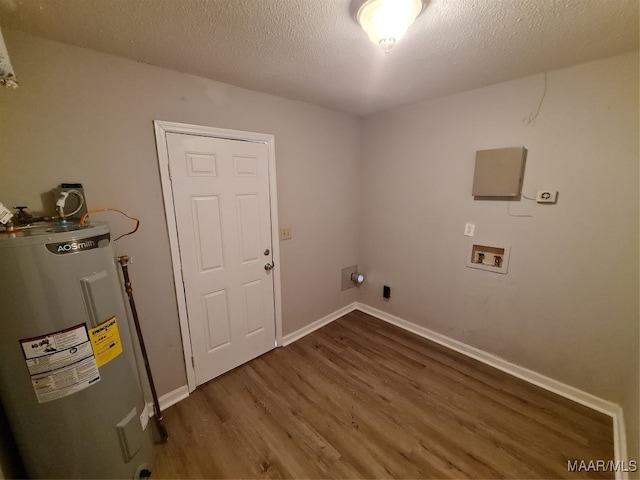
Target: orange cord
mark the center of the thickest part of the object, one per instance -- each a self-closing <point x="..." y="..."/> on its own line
<point x="83" y="218"/>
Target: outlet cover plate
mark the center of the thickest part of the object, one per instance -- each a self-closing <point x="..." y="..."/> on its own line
<point x="469" y="229"/>
<point x="546" y="196"/>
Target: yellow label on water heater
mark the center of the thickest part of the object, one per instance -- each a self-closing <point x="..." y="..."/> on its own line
<point x="105" y="341"/>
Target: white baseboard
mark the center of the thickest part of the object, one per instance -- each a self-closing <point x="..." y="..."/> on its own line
<point x="562" y="389"/>
<point x="298" y="334"/>
<point x="169" y="399"/>
<point x="620" y="442"/>
<point x="567" y="391"/>
<point x="173" y="397"/>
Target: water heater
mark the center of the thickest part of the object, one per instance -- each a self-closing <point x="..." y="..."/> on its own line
<point x="69" y="383"/>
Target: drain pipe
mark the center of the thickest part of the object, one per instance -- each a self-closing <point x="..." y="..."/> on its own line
<point x="124" y="262"/>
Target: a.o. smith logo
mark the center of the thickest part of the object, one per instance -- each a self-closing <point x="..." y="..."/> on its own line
<point x="74" y="246"/>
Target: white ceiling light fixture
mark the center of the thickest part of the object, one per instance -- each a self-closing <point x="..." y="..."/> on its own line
<point x="386" y="21"/>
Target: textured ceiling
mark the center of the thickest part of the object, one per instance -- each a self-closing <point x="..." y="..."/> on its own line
<point x="314" y="51"/>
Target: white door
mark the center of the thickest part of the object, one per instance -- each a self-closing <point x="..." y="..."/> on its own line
<point x="222" y="212"/>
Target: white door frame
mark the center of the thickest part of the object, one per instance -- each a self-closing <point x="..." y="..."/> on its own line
<point x="162" y="128"/>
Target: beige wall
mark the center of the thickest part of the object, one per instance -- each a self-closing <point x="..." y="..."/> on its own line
<point x="568" y="308"/>
<point x="84" y="116"/>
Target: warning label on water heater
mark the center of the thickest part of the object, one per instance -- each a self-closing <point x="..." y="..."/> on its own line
<point x="60" y="363"/>
<point x="105" y="339"/>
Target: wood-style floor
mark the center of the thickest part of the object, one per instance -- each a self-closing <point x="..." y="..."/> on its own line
<point x="363" y="399"/>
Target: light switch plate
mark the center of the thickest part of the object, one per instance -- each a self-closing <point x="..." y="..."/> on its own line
<point x="285" y="233"/>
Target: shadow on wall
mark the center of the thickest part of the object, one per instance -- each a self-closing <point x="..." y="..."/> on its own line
<point x="10" y="464"/>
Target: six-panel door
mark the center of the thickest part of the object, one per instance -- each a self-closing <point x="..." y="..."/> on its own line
<point x="221" y="200"/>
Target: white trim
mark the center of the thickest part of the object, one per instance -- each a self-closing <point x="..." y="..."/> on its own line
<point x="173" y="397"/>
<point x="161" y="130"/>
<point x="530" y="376"/>
<point x="562" y="389"/>
<point x="169" y="399"/>
<point x="275" y="240"/>
<point x="620" y="443"/>
<point x="312" y="327"/>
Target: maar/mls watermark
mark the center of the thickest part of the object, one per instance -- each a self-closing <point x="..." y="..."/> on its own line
<point x="602" y="466"/>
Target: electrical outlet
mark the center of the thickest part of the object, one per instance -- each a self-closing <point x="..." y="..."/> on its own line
<point x="546" y="196"/>
<point x="285" y="233"/>
<point x="469" y="229"/>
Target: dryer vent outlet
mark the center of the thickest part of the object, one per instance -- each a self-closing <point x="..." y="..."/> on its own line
<point x="345" y="278"/>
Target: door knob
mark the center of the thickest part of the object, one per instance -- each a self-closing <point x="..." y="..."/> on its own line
<point x="269" y="266"/>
